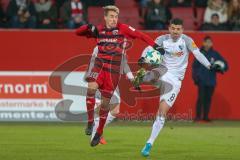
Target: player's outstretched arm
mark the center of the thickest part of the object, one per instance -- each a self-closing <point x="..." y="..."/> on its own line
<point x="133" y="33"/>
<point x="201" y="58"/>
<point x="87" y="30"/>
<point x="196" y="52"/>
<point x="126" y="69"/>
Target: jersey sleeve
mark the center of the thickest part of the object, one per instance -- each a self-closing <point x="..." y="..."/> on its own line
<point x="84" y="31"/>
<point x="133" y="33"/>
<point x="126" y="68"/>
<point x="91" y="63"/>
<point x="159" y="40"/>
<point x="191" y="46"/>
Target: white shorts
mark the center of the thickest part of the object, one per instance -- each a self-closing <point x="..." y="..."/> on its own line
<point x="114" y="100"/>
<point x="170" y="88"/>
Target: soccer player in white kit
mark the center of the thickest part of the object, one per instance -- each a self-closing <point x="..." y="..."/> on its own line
<point x="177" y="47"/>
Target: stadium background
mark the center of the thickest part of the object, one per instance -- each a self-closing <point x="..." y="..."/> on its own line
<point x="45" y="50"/>
<point x="28" y="57"/>
<point x="34" y="51"/>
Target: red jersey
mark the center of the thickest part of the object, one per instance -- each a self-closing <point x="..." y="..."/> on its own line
<point x="112" y="44"/>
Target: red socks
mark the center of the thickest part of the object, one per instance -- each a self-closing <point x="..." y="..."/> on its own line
<point x="90" y="103"/>
<point x="103" y="117"/>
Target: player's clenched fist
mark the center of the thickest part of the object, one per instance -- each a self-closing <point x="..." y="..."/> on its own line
<point x="93" y="29"/>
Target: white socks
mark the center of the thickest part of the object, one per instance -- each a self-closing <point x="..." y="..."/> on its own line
<point x="156" y="128"/>
<point x="110" y="118"/>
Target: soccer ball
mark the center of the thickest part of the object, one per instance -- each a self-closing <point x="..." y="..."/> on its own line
<point x="153" y="57"/>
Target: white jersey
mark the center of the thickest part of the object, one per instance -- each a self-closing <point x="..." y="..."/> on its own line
<point x="177" y="53"/>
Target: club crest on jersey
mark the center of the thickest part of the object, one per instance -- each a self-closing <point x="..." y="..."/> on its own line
<point x="103" y="32"/>
<point x="180" y="47"/>
<point x="115" y="32"/>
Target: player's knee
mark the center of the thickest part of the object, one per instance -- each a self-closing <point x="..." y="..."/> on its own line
<point x="115" y="110"/>
<point x="163" y="109"/>
<point x="105" y="103"/>
<point x="91" y="91"/>
<point x="92" y="86"/>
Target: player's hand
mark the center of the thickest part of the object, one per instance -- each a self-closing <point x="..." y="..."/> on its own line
<point x="216" y="68"/>
<point x="159" y="49"/>
<point x="141" y="61"/>
<point x="93" y="29"/>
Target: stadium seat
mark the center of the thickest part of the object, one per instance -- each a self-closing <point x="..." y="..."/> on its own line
<point x="186" y="14"/>
<point x="127" y="15"/>
<point x="5" y="4"/>
<point x="200" y="16"/>
<point x="125" y="3"/>
<point x="95" y="15"/>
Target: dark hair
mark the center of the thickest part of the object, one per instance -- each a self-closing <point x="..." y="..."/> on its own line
<point x="207" y="38"/>
<point x="176" y="21"/>
<point x="214" y="15"/>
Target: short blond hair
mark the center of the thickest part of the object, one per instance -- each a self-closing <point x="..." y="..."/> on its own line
<point x="110" y="8"/>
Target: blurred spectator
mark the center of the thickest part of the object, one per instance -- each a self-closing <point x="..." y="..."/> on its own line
<point x="142" y="7"/>
<point x="234" y="15"/>
<point x="181" y="3"/>
<point x="157" y="15"/>
<point x="201" y="3"/>
<point x="100" y="2"/>
<point x="73" y="13"/>
<point x="216" y="7"/>
<point x="58" y="4"/>
<point x="22" y="14"/>
<point x="214" y="25"/>
<point x="3" y="17"/>
<point x="46" y="14"/>
<point x="205" y="79"/>
<point x="143" y="3"/>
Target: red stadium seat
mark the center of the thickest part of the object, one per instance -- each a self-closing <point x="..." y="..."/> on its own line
<point x="125" y="3"/>
<point x="5" y="4"/>
<point x="200" y="16"/>
<point x="127" y="15"/>
<point x="186" y="14"/>
<point x="95" y="15"/>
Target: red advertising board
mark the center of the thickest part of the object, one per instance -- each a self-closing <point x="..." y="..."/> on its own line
<point x="29" y="50"/>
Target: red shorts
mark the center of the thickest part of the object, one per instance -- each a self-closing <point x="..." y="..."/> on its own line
<point x="106" y="81"/>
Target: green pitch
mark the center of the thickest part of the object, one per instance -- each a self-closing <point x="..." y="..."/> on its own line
<point x="178" y="141"/>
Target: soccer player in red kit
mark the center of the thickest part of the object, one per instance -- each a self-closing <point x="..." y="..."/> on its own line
<point x="111" y="40"/>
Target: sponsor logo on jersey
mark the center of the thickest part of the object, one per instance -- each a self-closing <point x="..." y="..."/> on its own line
<point x="108" y="40"/>
<point x="178" y="54"/>
<point x="115" y="32"/>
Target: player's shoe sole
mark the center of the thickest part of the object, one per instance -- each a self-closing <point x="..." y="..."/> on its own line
<point x="96" y="139"/>
<point x="146" y="150"/>
<point x="89" y="129"/>
<point x="139" y="78"/>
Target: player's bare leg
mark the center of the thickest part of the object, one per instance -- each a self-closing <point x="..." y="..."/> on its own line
<point x="157" y="127"/>
<point x="103" y="113"/>
<point x="90" y="103"/>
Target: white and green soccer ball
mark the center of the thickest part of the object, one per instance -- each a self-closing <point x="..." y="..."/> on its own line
<point x="153" y="57"/>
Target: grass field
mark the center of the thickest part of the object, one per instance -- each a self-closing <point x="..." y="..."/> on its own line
<point x="178" y="141"/>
